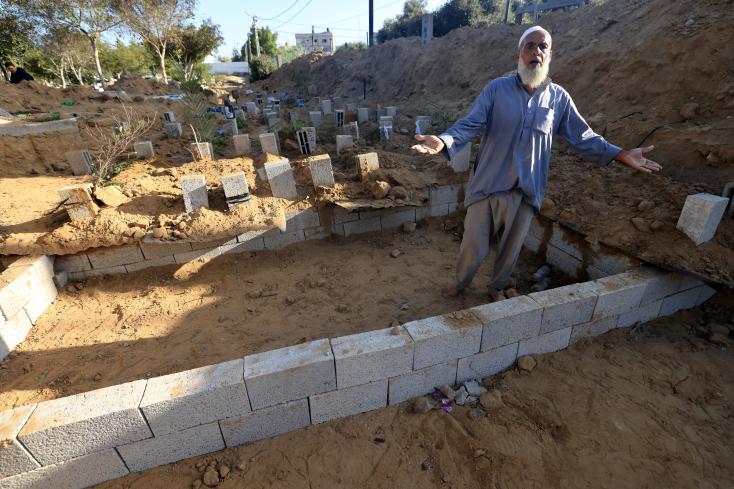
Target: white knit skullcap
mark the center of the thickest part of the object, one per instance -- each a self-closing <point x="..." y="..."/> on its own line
<point x="525" y="34"/>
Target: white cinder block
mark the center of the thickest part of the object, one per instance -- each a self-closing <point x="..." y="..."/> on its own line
<point x="486" y="363"/>
<point x="14" y="458"/>
<point x="114" y="256"/>
<point x="362" y="226"/>
<point x="172" y="447"/>
<point x="290" y="373"/>
<point x="566" y="306"/>
<point x="701" y="215"/>
<point x="642" y="314"/>
<point x="593" y="328"/>
<point x="371" y="356"/>
<point x="680" y="301"/>
<point x="266" y="423"/>
<point x="13" y="331"/>
<point x="77" y="473"/>
<point x="16" y="289"/>
<point x="396" y="219"/>
<point x="509" y="321"/>
<point x="179" y="401"/>
<point x="441" y="339"/>
<point x="301" y="219"/>
<point x="62" y="429"/>
<point x="545" y="343"/>
<point x="618" y="294"/>
<point x="420" y="382"/>
<point x="281" y="240"/>
<point x="43" y="264"/>
<point x="155" y="250"/>
<point x="445" y="194"/>
<point x="72" y="263"/>
<point x="203" y="254"/>
<point x="661" y="284"/>
<point x="564" y="262"/>
<point x="349" y="401"/>
<point x="44" y="293"/>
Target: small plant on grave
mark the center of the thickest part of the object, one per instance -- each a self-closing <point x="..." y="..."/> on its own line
<point x="289" y="102"/>
<point x="219" y="142"/>
<point x="241" y="123"/>
<point x="326" y="131"/>
<point x="201" y="120"/>
<point x="291" y="129"/>
<point x="109" y="156"/>
<point x="441" y="117"/>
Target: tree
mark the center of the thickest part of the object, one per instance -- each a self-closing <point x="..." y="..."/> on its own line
<point x="66" y="50"/>
<point x="193" y="44"/>
<point x="261" y="68"/>
<point x="414" y="8"/>
<point x="132" y="58"/>
<point x="16" y="38"/>
<point x="89" y="17"/>
<point x="267" y="38"/>
<point x="156" y="22"/>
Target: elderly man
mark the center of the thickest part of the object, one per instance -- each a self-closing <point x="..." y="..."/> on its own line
<point x="518" y="116"/>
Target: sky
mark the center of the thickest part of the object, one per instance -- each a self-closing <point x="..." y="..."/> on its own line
<point x="348" y="19"/>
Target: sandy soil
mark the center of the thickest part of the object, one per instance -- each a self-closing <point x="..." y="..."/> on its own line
<point x="650" y="407"/>
<point x="125" y="327"/>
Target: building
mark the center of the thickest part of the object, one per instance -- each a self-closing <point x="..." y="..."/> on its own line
<point x="319" y="41"/>
<point x="240" y="68"/>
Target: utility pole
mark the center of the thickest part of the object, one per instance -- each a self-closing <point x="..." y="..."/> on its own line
<point x="507" y="10"/>
<point x="248" y="51"/>
<point x="372" y="23"/>
<point x="313" y="38"/>
<point x="257" y="41"/>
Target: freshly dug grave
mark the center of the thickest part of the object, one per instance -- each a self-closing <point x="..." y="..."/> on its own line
<point x="122" y="328"/>
<point x="650" y="407"/>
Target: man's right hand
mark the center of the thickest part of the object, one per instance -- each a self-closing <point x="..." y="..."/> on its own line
<point x="431" y="145"/>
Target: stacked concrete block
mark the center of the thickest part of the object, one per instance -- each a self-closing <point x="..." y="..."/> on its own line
<point x="486" y="363"/>
<point x="420" y="382"/>
<point x="461" y="161"/>
<point x="344" y="142"/>
<point x="701" y="216"/>
<point x="367" y="164"/>
<point x="306" y="140"/>
<point x="315" y="118"/>
<point x="281" y="240"/>
<point x="545" y="343"/>
<point x="289" y="374"/>
<point x="662" y="284"/>
<point x="169" y="116"/>
<point x="391" y="111"/>
<point x="322" y="173"/>
<point x="202" y="151"/>
<point x="174" y="130"/>
<point x="508" y="321"/>
<point x="13" y="331"/>
<point x="62" y="429"/>
<point x="363" y="114"/>
<point x="371" y="356"/>
<point x="422" y="124"/>
<point x="77" y="201"/>
<point x="193" y="188"/>
<point x="81" y="162"/>
<point x="115" y="256"/>
<point x="566" y="306"/>
<point x="33" y="128"/>
<point x="339" y="115"/>
<point x="366" y="225"/>
<point x="618" y="294"/>
<point x="280" y="177"/>
<point x="242" y="145"/>
<point x="445" y="194"/>
<point x="203" y="254"/>
<point x="14" y="458"/>
<point x="195" y="397"/>
<point x="441" y="339"/>
<point x="269" y="143"/>
<point x="348" y="402"/>
<point x="593" y="328"/>
<point x="642" y="314"/>
<point x="144" y="149"/>
<point x="172" y="447"/>
<point x="236" y="191"/>
<point x="77" y="473"/>
<point x="301" y="219"/>
<point x="396" y="218"/>
<point x="325" y="106"/>
<point x="266" y="423"/>
<point x="680" y="301"/>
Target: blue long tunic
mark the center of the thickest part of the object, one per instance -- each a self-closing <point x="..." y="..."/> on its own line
<point x="518" y="132"/>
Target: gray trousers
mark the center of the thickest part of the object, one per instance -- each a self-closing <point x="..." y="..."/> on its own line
<point x="505" y="215"/>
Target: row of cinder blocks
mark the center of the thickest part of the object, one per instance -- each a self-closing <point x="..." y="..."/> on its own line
<point x="26" y="289"/>
<point x="164" y="419"/>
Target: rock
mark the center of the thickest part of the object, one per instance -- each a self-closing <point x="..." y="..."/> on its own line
<point x="224" y="471"/>
<point x="541" y="285"/>
<point x="426" y="465"/>
<point x="211" y="477"/>
<point x="461" y="396"/>
<point x="473" y="388"/>
<point x="718" y="328"/>
<point x="640" y="224"/>
<point x="160" y="232"/>
<point x="399" y="193"/>
<point x="408" y="227"/>
<point x="471" y="401"/>
<point x="479" y="453"/>
<point x="422" y="405"/>
<point x="548" y="207"/>
<point x="720" y="339"/>
<point x="656" y="225"/>
<point x="379" y="189"/>
<point x="97" y="377"/>
<point x="196" y="484"/>
<point x="179" y="234"/>
<point x="241" y="466"/>
<point x="477" y="413"/>
<point x="526" y="364"/>
<point x="395" y="253"/>
<point x="645" y="206"/>
<point x="689" y="111"/>
<point x="491" y="400"/>
<point x="689" y="23"/>
<point x="713" y="158"/>
<point x="111" y="196"/>
<point x="395" y="331"/>
<point x="541" y="273"/>
<point x="448" y="392"/>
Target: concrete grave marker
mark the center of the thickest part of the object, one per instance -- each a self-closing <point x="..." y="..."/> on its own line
<point x="353" y="129"/>
<point x="144" y="149"/>
<point x="81" y="162"/>
<point x="202" y="151"/>
<point x="326" y="106"/>
<point x="391" y="111"/>
<point x="426" y="28"/>
<point x="343" y="142"/>
<point x="306" y="140"/>
<point x="701" y="216"/>
<point x="193" y="188"/>
<point x="315" y="118"/>
<point x="363" y="114"/>
<point x="339" y="118"/>
<point x="230" y="127"/>
<point x="322" y="173"/>
<point x="77" y="201"/>
<point x="367" y="164"/>
<point x="351" y="107"/>
<point x="169" y="116"/>
<point x="236" y="191"/>
<point x="269" y="144"/>
<point x="280" y="177"/>
<point x="385" y="126"/>
<point x="461" y="161"/>
<point x="242" y="145"/>
<point x="422" y="124"/>
<point x="173" y="129"/>
<point x="251" y="107"/>
<point x="338" y="101"/>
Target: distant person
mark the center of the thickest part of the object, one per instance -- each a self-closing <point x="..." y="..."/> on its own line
<point x="17" y="75"/>
<point x="517" y="115"/>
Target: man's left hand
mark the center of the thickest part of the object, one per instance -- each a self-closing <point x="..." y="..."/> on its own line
<point x="635" y="159"/>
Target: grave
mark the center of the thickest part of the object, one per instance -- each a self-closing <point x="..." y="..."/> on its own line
<point x="242" y="145"/>
<point x="343" y="142"/>
<point x="280" y="176"/>
<point x="169" y="116"/>
<point x="701" y="216"/>
<point x="193" y="188"/>
<point x="385" y="126"/>
<point x="339" y="118"/>
<point x="367" y="164"/>
<point x="81" y="162"/>
<point x="269" y="143"/>
<point x="202" y="151"/>
<point x="230" y="127"/>
<point x="173" y="129"/>
<point x="426" y="28"/>
<point x="422" y="124"/>
<point x="391" y="111"/>
<point x="322" y="173"/>
<point x="326" y="106"/>
<point x="353" y="129"/>
<point x="77" y="201"/>
<point x="315" y="118"/>
<point x="144" y="149"/>
<point x="236" y="191"/>
<point x="306" y="140"/>
<point x="461" y="161"/>
<point x="363" y="114"/>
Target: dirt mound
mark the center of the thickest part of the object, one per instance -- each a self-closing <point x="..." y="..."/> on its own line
<point x="34" y="97"/>
<point x="135" y="85"/>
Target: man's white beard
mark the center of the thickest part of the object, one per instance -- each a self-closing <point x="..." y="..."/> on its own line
<point x="532" y="77"/>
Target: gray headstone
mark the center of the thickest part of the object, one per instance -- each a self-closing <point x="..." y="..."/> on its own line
<point x="367" y="163"/>
<point x="280" y="177"/>
<point x="426" y="28"/>
<point x="338" y="100"/>
<point x="173" y="129"/>
<point x="268" y="143"/>
<point x="701" y="216"/>
<point x="322" y="173"/>
<point x="230" y="127"/>
<point x="363" y="114"/>
<point x="81" y="162"/>
<point x="193" y="188"/>
<point x="351" y="107"/>
<point x="344" y="142"/>
<point x="422" y="124"/>
<point x="242" y="144"/>
<point x="77" y="200"/>
<point x="251" y="107"/>
<point x="391" y="111"/>
<point x="339" y="118"/>
<point x="202" y="151"/>
<point x="144" y="149"/>
<point x="236" y="191"/>
<point x="315" y="118"/>
<point x="306" y="140"/>
<point x="354" y="130"/>
<point x="326" y="106"/>
<point x="462" y="160"/>
<point x="169" y="117"/>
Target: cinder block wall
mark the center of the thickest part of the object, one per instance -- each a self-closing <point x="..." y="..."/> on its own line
<point x="88" y="438"/>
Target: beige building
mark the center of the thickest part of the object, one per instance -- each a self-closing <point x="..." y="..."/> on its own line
<point x="319" y="41"/>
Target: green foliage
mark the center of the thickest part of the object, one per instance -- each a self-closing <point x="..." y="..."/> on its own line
<point x="290" y="129"/>
<point x="219" y="142"/>
<point x="354" y="46"/>
<point x="126" y="59"/>
<point x="326" y="131"/>
<point x="303" y="78"/>
<point x="261" y="68"/>
<point x="268" y="41"/>
<point x="201" y="121"/>
<point x="193" y="44"/>
<point x="241" y="123"/>
<point x="16" y="38"/>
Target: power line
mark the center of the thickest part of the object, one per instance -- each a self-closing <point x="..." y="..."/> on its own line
<point x="296" y="14"/>
<point x="284" y="11"/>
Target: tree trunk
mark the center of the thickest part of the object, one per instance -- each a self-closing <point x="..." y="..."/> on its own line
<point x="61" y="72"/>
<point x="79" y="76"/>
<point x="95" y="50"/>
<point x="162" y="54"/>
